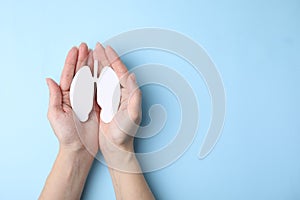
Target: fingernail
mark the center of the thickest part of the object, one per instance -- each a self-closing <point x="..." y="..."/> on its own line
<point x="74" y="48"/>
<point x="82" y="46"/>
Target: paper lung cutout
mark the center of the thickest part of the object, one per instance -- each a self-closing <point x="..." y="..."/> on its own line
<point x="108" y="94"/>
<point x="82" y="93"/>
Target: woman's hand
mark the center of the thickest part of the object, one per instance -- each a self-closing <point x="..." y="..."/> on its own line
<point x="78" y="141"/>
<point x="116" y="137"/>
<point x="71" y="133"/>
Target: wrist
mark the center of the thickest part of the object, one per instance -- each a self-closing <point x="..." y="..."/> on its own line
<point x="120" y="158"/>
<point x="71" y="146"/>
<point x="76" y="154"/>
<point x="110" y="149"/>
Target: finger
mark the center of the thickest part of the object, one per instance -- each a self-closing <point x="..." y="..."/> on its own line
<point x="100" y="56"/>
<point x="134" y="99"/>
<point x="117" y="65"/>
<point x="69" y="69"/>
<point x="55" y="100"/>
<point x="82" y="56"/>
<point x="90" y="60"/>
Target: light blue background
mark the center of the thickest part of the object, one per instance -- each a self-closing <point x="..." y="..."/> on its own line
<point x="256" y="47"/>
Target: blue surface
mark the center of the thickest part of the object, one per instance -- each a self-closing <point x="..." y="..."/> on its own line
<point x="256" y="47"/>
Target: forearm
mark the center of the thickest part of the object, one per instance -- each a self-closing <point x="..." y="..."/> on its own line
<point x="128" y="180"/>
<point x="67" y="177"/>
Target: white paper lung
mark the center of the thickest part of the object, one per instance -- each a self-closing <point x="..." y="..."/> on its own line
<point x="108" y="93"/>
<point x="82" y="93"/>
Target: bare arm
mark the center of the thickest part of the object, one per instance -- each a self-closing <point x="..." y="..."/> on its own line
<point x="116" y="143"/>
<point x="76" y="154"/>
<point x="128" y="185"/>
<point x="73" y="162"/>
<point x="68" y="175"/>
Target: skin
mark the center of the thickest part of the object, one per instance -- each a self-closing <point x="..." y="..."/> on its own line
<point x="78" y="146"/>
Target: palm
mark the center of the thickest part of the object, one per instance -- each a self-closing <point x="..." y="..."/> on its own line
<point x="118" y="135"/>
<point x="69" y="130"/>
<point x="120" y="130"/>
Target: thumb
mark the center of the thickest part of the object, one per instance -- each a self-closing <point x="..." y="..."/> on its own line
<point x="55" y="99"/>
<point x="135" y="98"/>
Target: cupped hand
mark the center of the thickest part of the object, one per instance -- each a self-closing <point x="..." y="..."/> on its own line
<point x="71" y="133"/>
<point x="118" y="135"/>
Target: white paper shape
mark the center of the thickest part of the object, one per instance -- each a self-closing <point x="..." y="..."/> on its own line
<point x="82" y="93"/>
<point x="108" y="93"/>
